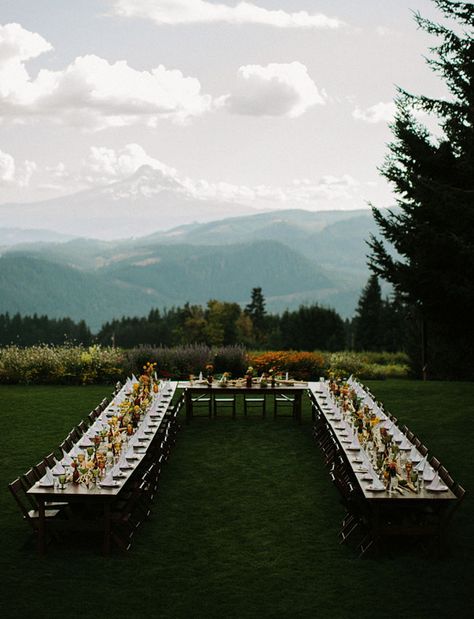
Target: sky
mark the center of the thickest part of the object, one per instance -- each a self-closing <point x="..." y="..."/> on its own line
<point x="269" y="103"/>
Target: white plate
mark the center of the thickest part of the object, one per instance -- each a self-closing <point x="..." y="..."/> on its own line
<point x="114" y="484"/>
<point x="370" y="488"/>
<point x="438" y="489"/>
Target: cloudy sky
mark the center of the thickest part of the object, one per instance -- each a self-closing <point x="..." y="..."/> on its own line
<point x="266" y="102"/>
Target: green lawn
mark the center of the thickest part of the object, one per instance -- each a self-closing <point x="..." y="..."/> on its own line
<point x="245" y="524"/>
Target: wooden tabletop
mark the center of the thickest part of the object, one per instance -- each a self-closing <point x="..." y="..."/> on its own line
<point x="404" y="495"/>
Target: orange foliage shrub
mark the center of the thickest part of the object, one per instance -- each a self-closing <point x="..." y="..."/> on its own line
<point x="299" y="365"/>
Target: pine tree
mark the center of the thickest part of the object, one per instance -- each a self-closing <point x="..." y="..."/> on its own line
<point x="431" y="259"/>
<point x="368" y="333"/>
<point x="257" y="312"/>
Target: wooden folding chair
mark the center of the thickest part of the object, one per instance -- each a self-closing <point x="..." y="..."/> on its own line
<point x="255" y="403"/>
<point x="30" y="515"/>
<point x="126" y="517"/>
<point x="202" y="402"/>
<point x="285" y="403"/>
<point x="225" y="402"/>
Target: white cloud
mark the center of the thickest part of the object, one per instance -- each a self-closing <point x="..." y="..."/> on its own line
<point x="166" y="12"/>
<point x="378" y="113"/>
<point x="104" y="165"/>
<point x="384" y="113"/>
<point x="13" y="174"/>
<point x="91" y="92"/>
<point x="283" y="89"/>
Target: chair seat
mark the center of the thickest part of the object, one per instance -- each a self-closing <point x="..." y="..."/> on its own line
<point x="49" y="513"/>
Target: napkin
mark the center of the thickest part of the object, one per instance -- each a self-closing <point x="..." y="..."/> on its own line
<point x="47" y="479"/>
<point x="405" y="444"/>
<point x="428" y="473"/>
<point x="415" y="455"/>
<point x="376" y="484"/>
<point x="86" y="442"/>
<point x="75" y="451"/>
<point x="355" y="445"/>
<point x="131" y="455"/>
<point x="58" y="469"/>
<point x="436" y="484"/>
<point x="66" y="459"/>
<point x="108" y="480"/>
<point x="420" y="467"/>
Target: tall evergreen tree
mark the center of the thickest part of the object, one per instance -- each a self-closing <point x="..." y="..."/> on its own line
<point x="257" y="312"/>
<point x="431" y="259"/>
<point x="369" y="318"/>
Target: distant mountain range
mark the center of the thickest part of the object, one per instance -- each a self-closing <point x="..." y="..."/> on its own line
<point x="148" y="200"/>
<point x="296" y="257"/>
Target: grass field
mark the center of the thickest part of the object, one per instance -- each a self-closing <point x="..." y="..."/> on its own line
<point x="245" y="524"/>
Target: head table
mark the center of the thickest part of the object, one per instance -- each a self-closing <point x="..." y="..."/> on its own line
<point x="292" y="389"/>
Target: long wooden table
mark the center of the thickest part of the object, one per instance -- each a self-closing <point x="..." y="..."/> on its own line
<point x="215" y="389"/>
<point x="95" y="494"/>
<point x="381" y="504"/>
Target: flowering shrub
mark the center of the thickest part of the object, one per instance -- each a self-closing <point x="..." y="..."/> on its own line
<point x="95" y="364"/>
<point x="369" y="365"/>
<point x="60" y="364"/>
<point x="300" y="365"/>
<point x="181" y="361"/>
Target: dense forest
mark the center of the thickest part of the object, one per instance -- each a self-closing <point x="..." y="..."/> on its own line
<point x="376" y="326"/>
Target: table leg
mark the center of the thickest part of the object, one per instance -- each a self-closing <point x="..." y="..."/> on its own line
<point x="107" y="528"/>
<point x="298" y="407"/>
<point x="41" y="525"/>
<point x="188" y="406"/>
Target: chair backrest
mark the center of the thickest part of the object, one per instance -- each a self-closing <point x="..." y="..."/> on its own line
<point x="40" y="469"/>
<point x="50" y="460"/>
<point x="282" y="397"/>
<point x="82" y="427"/>
<point x="203" y="398"/>
<point x="18" y="492"/>
<point x="74" y="435"/>
<point x="28" y="480"/>
<point x="435" y="463"/>
<point x="459" y="492"/>
<point x="423" y="449"/>
<point x="67" y="444"/>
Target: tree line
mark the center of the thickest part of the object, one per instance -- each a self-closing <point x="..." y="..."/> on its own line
<point x="376" y="326"/>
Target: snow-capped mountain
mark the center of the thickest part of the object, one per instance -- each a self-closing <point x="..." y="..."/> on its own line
<point x="147" y="201"/>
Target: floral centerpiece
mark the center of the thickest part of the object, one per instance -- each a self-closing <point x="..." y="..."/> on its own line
<point x="224" y="379"/>
<point x="249" y="376"/>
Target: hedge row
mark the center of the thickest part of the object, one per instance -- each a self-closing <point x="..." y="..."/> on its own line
<point x="79" y="365"/>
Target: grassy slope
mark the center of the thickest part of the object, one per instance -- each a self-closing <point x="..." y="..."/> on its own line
<point x="245" y="525"/>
